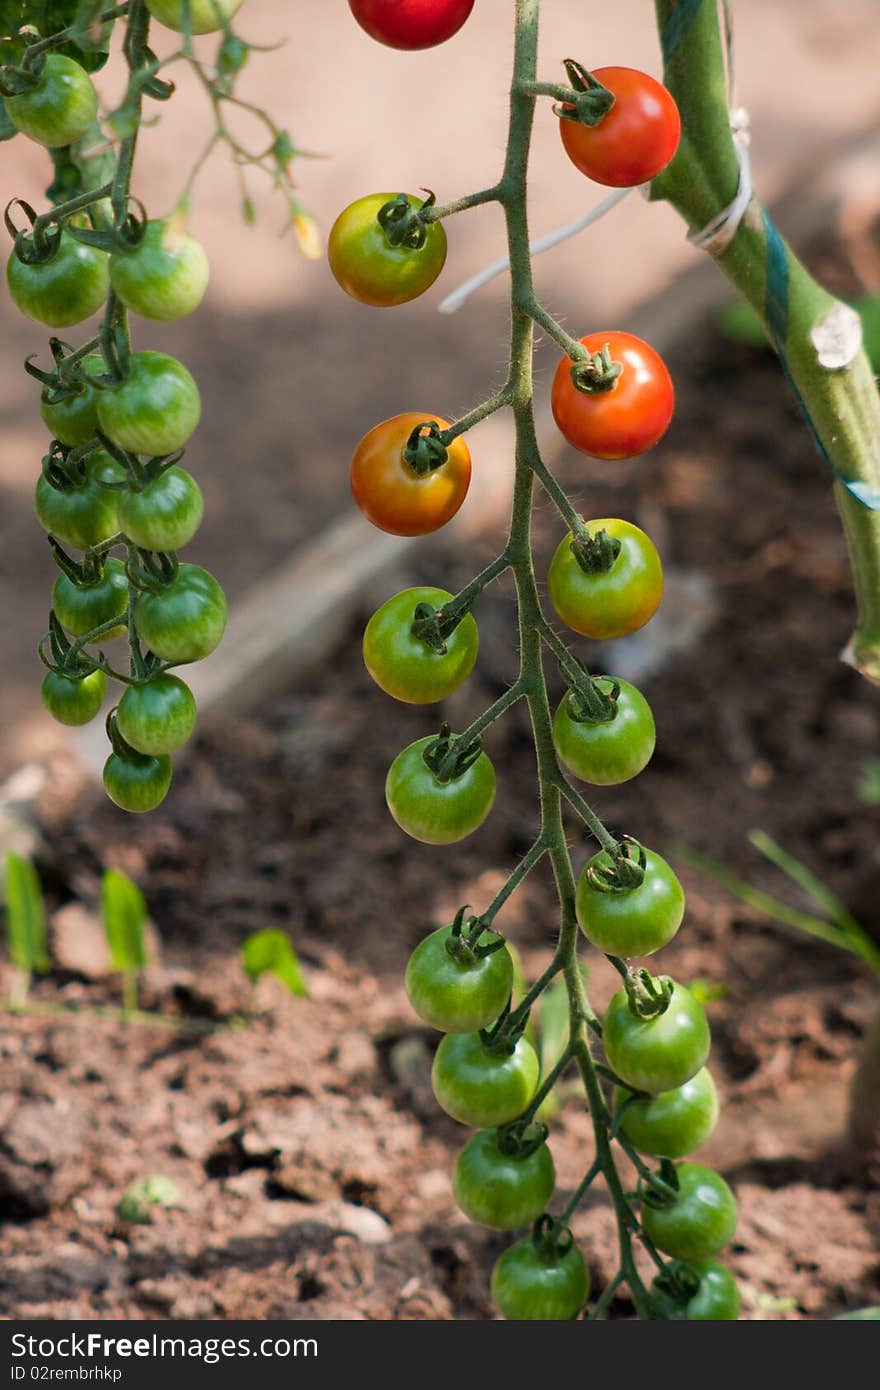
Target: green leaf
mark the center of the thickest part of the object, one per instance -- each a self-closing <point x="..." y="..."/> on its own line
<point x="123" y="914"/>
<point x="738" y="321"/>
<point x="862" y="1314"/>
<point x="706" y="991"/>
<point x="805" y="879"/>
<point x="7" y="129"/>
<point x="25" y="915"/>
<point x="868" y="785"/>
<point x="270" y="951"/>
<point x="140" y="1197"/>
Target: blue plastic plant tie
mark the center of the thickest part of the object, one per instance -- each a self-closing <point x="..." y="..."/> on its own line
<point x="677" y="26"/>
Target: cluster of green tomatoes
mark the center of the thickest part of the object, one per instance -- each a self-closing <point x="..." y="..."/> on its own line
<point x="409" y="476"/>
<point x="112" y="488"/>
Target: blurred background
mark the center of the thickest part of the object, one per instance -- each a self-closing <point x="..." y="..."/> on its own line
<point x="309" y="1159"/>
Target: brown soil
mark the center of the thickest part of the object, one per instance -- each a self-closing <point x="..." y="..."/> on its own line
<point x="311" y="1159"/>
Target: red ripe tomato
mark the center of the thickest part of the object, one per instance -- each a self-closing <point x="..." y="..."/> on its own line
<point x="628" y="418"/>
<point x="635" y="140"/>
<point x="396" y="498"/>
<point x="411" y="23"/>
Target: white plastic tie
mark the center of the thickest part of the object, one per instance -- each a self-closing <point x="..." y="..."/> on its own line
<point x="717" y="234"/>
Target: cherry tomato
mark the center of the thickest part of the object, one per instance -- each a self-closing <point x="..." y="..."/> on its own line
<point x="157" y="716"/>
<point x="366" y="264"/>
<point x="392" y="495"/>
<point x="163" y="515"/>
<point x="672" y="1123"/>
<point x="164" y="276"/>
<point x="69" y="287"/>
<point x="73" y="419"/>
<point x="438" y="813"/>
<point x="635" y="140"/>
<point x="73" y="700"/>
<point x="609" y="603"/>
<point x="656" y="1054"/>
<point x="205" y="16"/>
<point x="528" y="1283"/>
<point x="610" y="751"/>
<point x="406" y="667"/>
<point x="184" y="620"/>
<point x="60" y="108"/>
<point x="631" y="921"/>
<point x="154" y="409"/>
<point x="701" y="1220"/>
<point x="80" y="608"/>
<point x="480" y="1087"/>
<point x="501" y="1190"/>
<point x="717" y="1298"/>
<point x="137" y="782"/>
<point x="628" y="418"/>
<point x="411" y="24"/>
<point x="461" y="992"/>
<point x="84" y="514"/>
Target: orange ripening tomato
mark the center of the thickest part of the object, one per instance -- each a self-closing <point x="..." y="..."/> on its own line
<point x="637" y="138"/>
<point x="392" y="494"/>
<point x="625" y="420"/>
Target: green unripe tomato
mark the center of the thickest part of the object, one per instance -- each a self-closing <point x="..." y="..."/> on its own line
<point x="158" y="716"/>
<point x="164" y="276"/>
<point x="165" y="514"/>
<point x="717" y="1298"/>
<point x="500" y="1190"/>
<point x="80" y="608"/>
<point x="528" y="1284"/>
<point x="438" y="813"/>
<point x="69" y="287"/>
<point x="610" y="603"/>
<point x="632" y="921"/>
<point x="701" y="1220"/>
<point x="656" y="1054"/>
<point x="406" y="667"/>
<point x="74" y="418"/>
<point x="459" y="993"/>
<point x="610" y="751"/>
<point x="83" y="515"/>
<point x="479" y="1087"/>
<point x="672" y="1123"/>
<point x="366" y="264"/>
<point x="155" y="409"/>
<point x="73" y="700"/>
<point x="60" y="108"/>
<point x="205" y="16"/>
<point x="184" y="620"/>
<point x="137" y="782"/>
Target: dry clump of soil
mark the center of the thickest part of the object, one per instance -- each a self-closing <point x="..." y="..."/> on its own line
<point x="312" y="1163"/>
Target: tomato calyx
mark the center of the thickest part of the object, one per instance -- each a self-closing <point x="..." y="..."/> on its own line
<point x="520" y="1140"/>
<point x="63" y="467"/>
<point x="446" y="760"/>
<point x="85" y="573"/>
<point x="595" y="554"/>
<point x="463" y="944"/>
<point x="675" y="1286"/>
<point x="424" y="450"/>
<point x="68" y="658"/>
<point x="592" y="101"/>
<point x="623" y="870"/>
<point x="661" y="1188"/>
<point x="15" y="81"/>
<point x="551" y="1238"/>
<point x="434" y="626"/>
<point x="596" y="373"/>
<point x="40" y="243"/>
<point x="403" y="224"/>
<point x="590" y="703"/>
<point x="648" y="996"/>
<point x="152" y="573"/>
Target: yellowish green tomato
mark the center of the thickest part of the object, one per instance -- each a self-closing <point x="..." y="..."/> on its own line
<point x="200" y="16"/>
<point x="164" y="276"/>
<point x="60" y="108"/>
<point x="672" y="1123"/>
<point x="65" y="289"/>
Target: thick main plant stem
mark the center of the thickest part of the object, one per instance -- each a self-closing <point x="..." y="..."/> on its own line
<point x="842" y="403"/>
